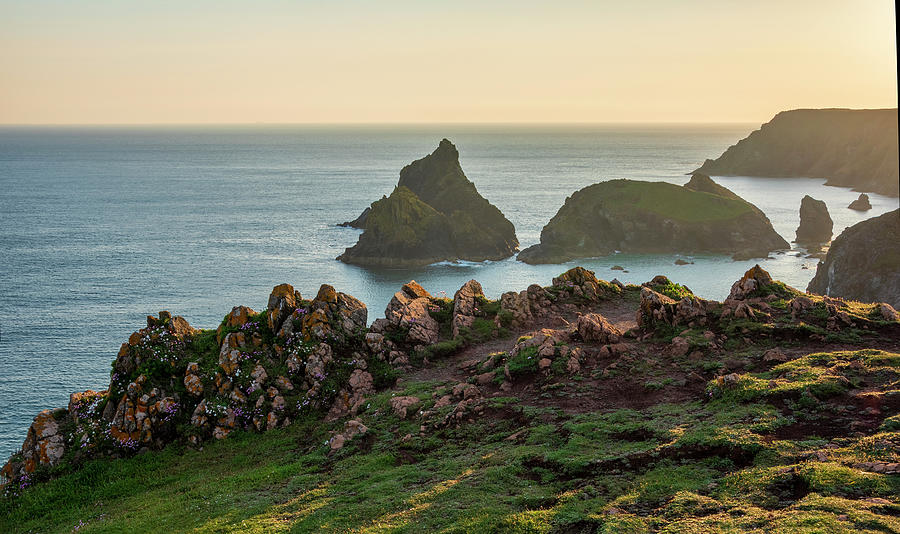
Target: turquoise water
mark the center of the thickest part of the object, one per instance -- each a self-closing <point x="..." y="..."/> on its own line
<point x="101" y="226"/>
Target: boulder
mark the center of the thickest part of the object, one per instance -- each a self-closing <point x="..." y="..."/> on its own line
<point x="861" y="204"/>
<point x="465" y="304"/>
<point x="402" y="405"/>
<point x="282" y="302"/>
<point x="409" y="310"/>
<point x="753" y="280"/>
<point x="651" y="217"/>
<point x="333" y="313"/>
<point x="863" y="263"/>
<point x="815" y="222"/>
<point x="434" y="214"/>
<point x="593" y="327"/>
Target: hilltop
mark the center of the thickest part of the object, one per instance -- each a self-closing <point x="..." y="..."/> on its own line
<point x="654" y="217"/>
<point x="582" y="406"/>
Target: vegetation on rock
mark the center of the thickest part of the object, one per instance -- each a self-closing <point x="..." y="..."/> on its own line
<point x="434" y="214"/>
<point x="610" y="409"/>
<point x="850" y="148"/>
<point x="653" y="217"/>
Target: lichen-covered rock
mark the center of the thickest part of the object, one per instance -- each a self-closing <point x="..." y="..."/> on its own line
<point x="333" y="313"/>
<point x="352" y="428"/>
<point x="749" y="284"/>
<point x="409" y="310"/>
<point x="815" y="222"/>
<point x="236" y="318"/>
<point x="402" y="405"/>
<point x="434" y="214"/>
<point x="655" y="309"/>
<point x="282" y="302"/>
<point x="593" y="327"/>
<point x="465" y="303"/>
<point x="582" y="283"/>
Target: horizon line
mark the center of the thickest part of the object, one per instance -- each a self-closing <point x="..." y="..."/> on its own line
<point x="376" y="123"/>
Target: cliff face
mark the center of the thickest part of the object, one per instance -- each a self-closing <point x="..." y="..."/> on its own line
<point x="816" y="225"/>
<point x="863" y="262"/>
<point x="653" y="217"/>
<point x="434" y="214"/>
<point x="850" y="148"/>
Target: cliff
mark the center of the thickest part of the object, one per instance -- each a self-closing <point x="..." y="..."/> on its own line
<point x="863" y="262"/>
<point x="849" y="148"/>
<point x="653" y="217"/>
<point x="434" y="214"/>
<point x="580" y="406"/>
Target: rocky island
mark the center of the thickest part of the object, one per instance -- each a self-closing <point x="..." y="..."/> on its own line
<point x="816" y="225"/>
<point x="434" y="214"/>
<point x="863" y="262"/>
<point x="849" y="148"/>
<point x="597" y="406"/>
<point x="654" y="217"/>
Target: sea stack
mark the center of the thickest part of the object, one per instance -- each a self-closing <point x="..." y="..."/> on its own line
<point x="654" y="217"/>
<point x="861" y="204"/>
<point x="863" y="262"/>
<point x="815" y="223"/>
<point x="434" y="214"/>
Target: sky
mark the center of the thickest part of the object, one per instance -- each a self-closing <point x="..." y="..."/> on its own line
<point x="357" y="61"/>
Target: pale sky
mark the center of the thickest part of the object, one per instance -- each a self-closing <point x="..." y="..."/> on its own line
<point x="356" y="61"/>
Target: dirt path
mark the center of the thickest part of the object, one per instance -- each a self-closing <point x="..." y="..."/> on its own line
<point x="619" y="312"/>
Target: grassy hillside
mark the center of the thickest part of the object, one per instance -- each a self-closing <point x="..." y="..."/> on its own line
<point x="771" y="412"/>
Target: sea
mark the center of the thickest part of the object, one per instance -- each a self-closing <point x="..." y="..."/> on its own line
<point x="101" y="226"/>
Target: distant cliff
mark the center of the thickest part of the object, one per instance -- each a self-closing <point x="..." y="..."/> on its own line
<point x="435" y="213"/>
<point x="863" y="262"/>
<point x="850" y="148"/>
<point x="654" y="217"/>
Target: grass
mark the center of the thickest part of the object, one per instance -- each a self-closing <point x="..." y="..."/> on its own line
<point x="665" y="469"/>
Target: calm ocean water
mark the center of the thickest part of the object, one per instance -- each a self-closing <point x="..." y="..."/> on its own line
<point x="101" y="226"/>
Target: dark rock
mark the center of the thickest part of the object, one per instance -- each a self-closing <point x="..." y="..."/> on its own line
<point x="863" y="262"/>
<point x="359" y="222"/>
<point x="850" y="148"/>
<point x="651" y="217"/>
<point x="434" y="214"/>
<point x="815" y="222"/>
<point x="861" y="204"/>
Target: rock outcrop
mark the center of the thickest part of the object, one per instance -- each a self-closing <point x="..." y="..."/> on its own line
<point x="654" y="217"/>
<point x="816" y="225"/>
<point x="850" y="148"/>
<point x="434" y="214"/>
<point x="861" y="204"/>
<point x="863" y="262"/>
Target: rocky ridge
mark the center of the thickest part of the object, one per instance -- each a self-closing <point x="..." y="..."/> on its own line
<point x="599" y="367"/>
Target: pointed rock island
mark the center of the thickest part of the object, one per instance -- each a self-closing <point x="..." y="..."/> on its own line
<point x="434" y="214"/>
<point x="656" y="218"/>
